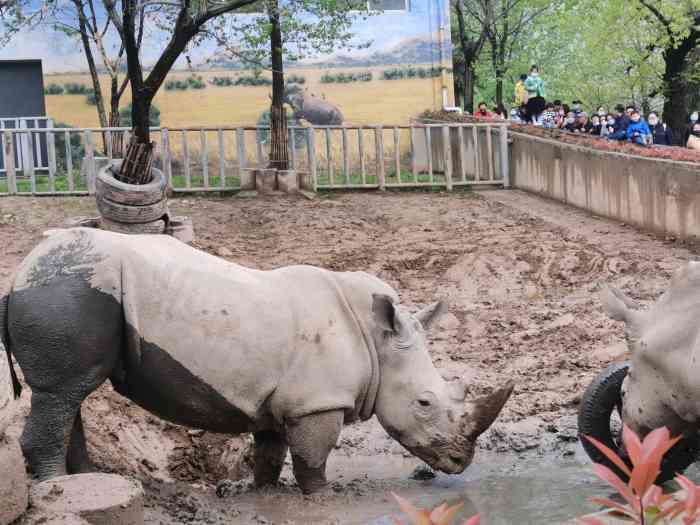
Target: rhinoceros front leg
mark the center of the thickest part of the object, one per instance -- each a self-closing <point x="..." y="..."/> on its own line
<point x="311" y="438"/>
<point x="270" y="452"/>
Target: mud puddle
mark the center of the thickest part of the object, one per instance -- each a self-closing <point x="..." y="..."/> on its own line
<point x="504" y="488"/>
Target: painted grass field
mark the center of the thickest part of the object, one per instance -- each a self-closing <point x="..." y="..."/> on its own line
<point x="378" y="101"/>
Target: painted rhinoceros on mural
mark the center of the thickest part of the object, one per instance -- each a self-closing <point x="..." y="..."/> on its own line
<point x="314" y="110"/>
<point x="290" y="354"/>
<point x="660" y="384"/>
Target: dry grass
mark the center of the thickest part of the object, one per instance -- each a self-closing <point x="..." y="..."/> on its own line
<point x="379" y="101"/>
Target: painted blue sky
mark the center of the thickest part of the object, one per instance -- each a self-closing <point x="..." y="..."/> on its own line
<point x="63" y="54"/>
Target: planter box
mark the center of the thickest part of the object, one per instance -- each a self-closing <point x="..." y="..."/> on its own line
<point x="248" y="179"/>
<point x="266" y="181"/>
<point x="288" y="181"/>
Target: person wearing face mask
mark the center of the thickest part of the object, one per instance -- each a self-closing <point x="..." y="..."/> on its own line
<point x="535" y="94"/>
<point x="570" y="122"/>
<point x="596" y="128"/>
<point x="692" y="120"/>
<point x="694" y="139"/>
<point x="602" y="112"/>
<point x="622" y="121"/>
<point x="663" y="136"/>
<point x="608" y="125"/>
<point x="638" y="131"/>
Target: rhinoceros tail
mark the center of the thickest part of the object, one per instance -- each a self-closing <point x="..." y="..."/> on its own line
<point x="5" y="338"/>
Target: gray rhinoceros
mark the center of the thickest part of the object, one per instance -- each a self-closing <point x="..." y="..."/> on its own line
<point x="314" y="110"/>
<point x="660" y="385"/>
<point x="290" y="354"/>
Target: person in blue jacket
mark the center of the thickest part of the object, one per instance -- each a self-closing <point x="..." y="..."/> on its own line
<point x="638" y="130"/>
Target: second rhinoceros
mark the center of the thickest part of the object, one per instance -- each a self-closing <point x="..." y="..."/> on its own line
<point x="660" y="385"/>
<point x="290" y="354"/>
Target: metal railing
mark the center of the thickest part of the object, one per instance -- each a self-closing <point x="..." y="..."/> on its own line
<point x="213" y="159"/>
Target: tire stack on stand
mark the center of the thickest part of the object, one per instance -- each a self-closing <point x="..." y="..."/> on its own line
<point x="132" y="208"/>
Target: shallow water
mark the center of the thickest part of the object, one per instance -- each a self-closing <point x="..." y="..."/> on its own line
<point x="503" y="488"/>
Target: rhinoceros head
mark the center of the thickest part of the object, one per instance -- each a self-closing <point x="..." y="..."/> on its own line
<point x="418" y="408"/>
<point x="662" y="385"/>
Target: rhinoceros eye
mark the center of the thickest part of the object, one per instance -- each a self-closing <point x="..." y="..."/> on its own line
<point x="424" y="402"/>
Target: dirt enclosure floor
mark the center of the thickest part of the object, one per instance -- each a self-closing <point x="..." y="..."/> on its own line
<point x="520" y="274"/>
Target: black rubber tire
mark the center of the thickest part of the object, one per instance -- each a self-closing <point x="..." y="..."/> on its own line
<point x="601" y="398"/>
<point x="107" y="187"/>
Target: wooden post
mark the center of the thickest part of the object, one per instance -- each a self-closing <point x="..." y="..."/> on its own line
<point x="477" y="157"/>
<point x="414" y="166"/>
<point x="51" y="148"/>
<point x="259" y="149"/>
<point x="204" y="157"/>
<point x="9" y="157"/>
<point x="24" y="151"/>
<point x="346" y="159"/>
<point x="505" y="167"/>
<point x="328" y="156"/>
<point x="462" y="153"/>
<point x="361" y="151"/>
<point x="108" y="139"/>
<point x="379" y="147"/>
<point x="222" y="158"/>
<point x="447" y="156"/>
<point x="30" y="161"/>
<point x="429" y="148"/>
<point x="293" y="148"/>
<point x="489" y="151"/>
<point x="397" y="154"/>
<point x="167" y="157"/>
<point x="69" y="161"/>
<point x="90" y="162"/>
<point x="240" y="143"/>
<point x="186" y="159"/>
<point x="311" y="152"/>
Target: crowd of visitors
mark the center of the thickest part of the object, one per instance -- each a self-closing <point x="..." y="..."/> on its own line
<point x="624" y="123"/>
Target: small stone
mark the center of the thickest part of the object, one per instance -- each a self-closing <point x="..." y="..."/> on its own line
<point x="423" y="473"/>
<point x="224" y="252"/>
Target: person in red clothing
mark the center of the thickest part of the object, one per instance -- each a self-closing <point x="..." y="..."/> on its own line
<point x="483" y="112"/>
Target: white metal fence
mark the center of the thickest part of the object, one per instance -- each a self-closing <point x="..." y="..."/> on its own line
<point x="211" y="159"/>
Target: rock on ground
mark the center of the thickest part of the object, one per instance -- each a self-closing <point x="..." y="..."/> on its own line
<point x="13" y="481"/>
<point x="100" y="499"/>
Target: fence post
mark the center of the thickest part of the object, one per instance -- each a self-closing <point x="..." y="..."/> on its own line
<point x="9" y="156"/>
<point x="397" y="154"/>
<point x="51" y="145"/>
<point x="69" y="161"/>
<point x="462" y="153"/>
<point x="23" y="152"/>
<point x="414" y="167"/>
<point x="240" y="144"/>
<point x="222" y="158"/>
<point x="379" y="147"/>
<point x="311" y="152"/>
<point x="477" y="157"/>
<point x="167" y="158"/>
<point x="489" y="151"/>
<point x="204" y="157"/>
<point x="90" y="162"/>
<point x="447" y="156"/>
<point x="346" y="159"/>
<point x="505" y="168"/>
<point x="361" y="152"/>
<point x="186" y="159"/>
<point x="29" y="166"/>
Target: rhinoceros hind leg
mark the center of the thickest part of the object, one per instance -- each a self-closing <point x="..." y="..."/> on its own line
<point x="45" y="436"/>
<point x="78" y="460"/>
<point x="270" y="452"/>
<point x="311" y="439"/>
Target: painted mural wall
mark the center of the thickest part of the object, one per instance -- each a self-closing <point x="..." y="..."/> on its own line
<point x="404" y="71"/>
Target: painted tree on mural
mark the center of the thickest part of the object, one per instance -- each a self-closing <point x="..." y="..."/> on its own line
<point x="83" y="20"/>
<point x="287" y="31"/>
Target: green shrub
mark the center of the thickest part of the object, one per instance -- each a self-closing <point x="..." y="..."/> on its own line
<point x="222" y="81"/>
<point x="346" y="78"/>
<point x="398" y="73"/>
<point x="54" y="89"/>
<point x="196" y="82"/>
<point x="73" y="88"/>
<point x="253" y="80"/>
<point x="91" y="99"/>
<point x="295" y="79"/>
<point x="153" y="118"/>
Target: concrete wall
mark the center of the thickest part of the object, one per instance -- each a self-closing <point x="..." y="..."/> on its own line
<point x="657" y="195"/>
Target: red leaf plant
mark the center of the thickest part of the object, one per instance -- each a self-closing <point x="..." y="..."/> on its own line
<point x="646" y="504"/>
<point x="441" y="515"/>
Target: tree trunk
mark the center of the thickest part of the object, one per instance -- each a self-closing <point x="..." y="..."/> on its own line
<point x="279" y="151"/>
<point x="469" y="88"/>
<point x="115" y="119"/>
<point x="676" y="87"/>
<point x="499" y="87"/>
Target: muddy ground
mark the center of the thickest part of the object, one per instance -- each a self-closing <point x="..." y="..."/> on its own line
<point x="520" y="274"/>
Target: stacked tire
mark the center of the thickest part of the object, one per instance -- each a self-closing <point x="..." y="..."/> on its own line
<point x="131" y="208"/>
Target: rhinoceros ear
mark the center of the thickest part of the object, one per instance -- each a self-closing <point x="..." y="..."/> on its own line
<point x="428" y="315"/>
<point x="384" y="312"/>
<point x="618" y="305"/>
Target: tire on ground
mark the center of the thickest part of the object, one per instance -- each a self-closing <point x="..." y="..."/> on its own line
<point x="132" y="214"/>
<point x="601" y="398"/>
<point x="107" y="187"/>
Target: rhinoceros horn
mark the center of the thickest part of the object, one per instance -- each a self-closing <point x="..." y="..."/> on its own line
<point x="622" y="308"/>
<point x="480" y="413"/>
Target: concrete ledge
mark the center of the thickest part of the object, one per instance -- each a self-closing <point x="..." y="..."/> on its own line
<point x="288" y="181"/>
<point x="266" y="181"/>
<point x="100" y="499"/>
<point x="657" y="195"/>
